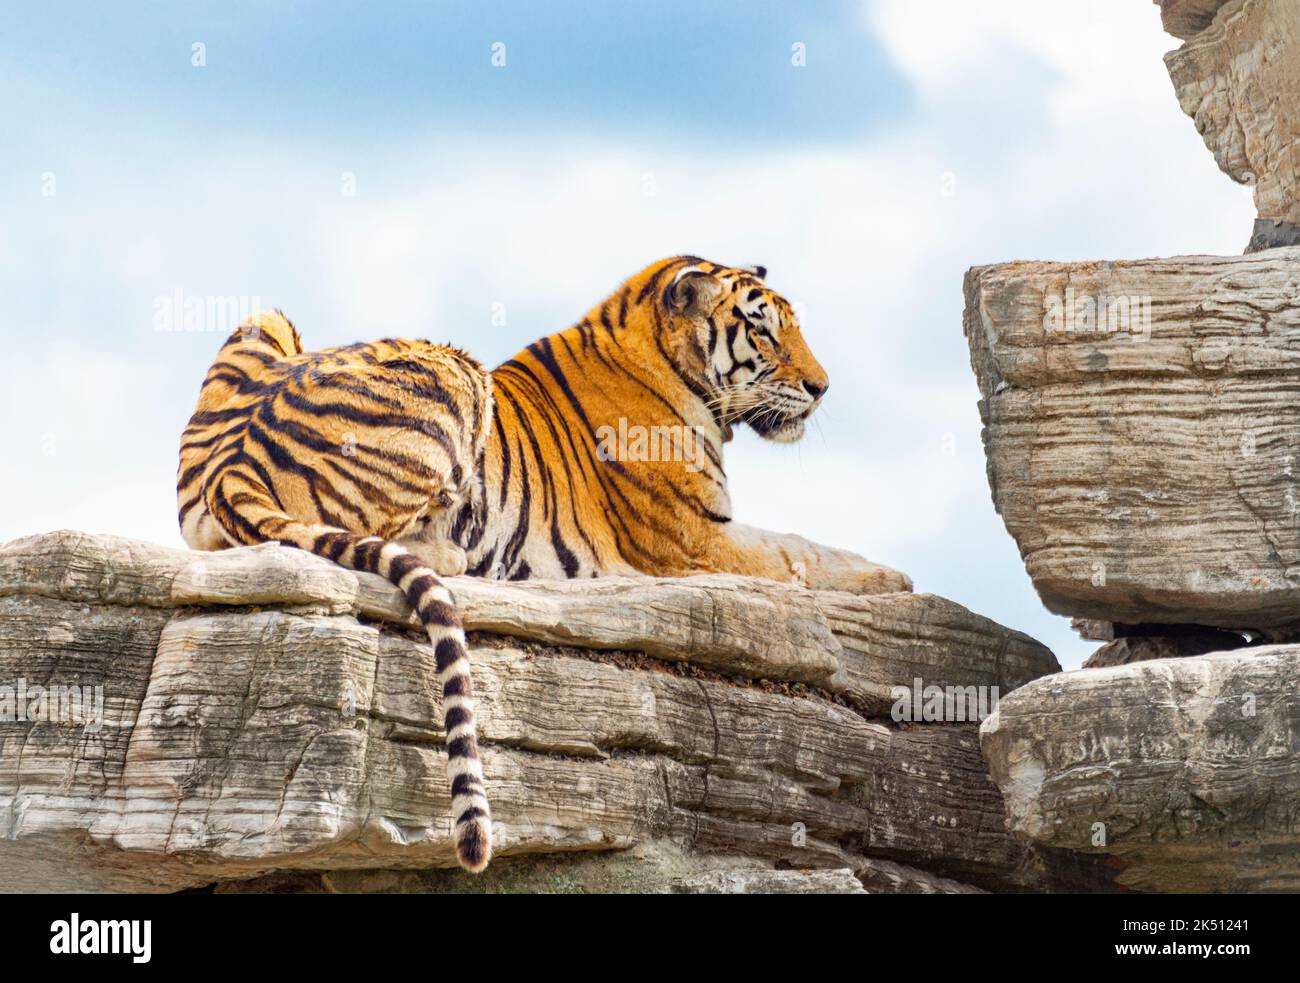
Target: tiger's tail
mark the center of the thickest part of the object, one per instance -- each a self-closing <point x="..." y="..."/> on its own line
<point x="246" y="510"/>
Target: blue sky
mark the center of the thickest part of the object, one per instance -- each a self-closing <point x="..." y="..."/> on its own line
<point x="373" y="172"/>
<point x="671" y="70"/>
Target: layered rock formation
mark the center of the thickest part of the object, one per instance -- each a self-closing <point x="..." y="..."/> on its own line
<point x="1141" y="429"/>
<point x="266" y="714"/>
<point x="1237" y="76"/>
<point x="1186" y="770"/>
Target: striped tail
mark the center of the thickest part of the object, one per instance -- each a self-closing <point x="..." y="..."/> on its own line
<point x="247" y="512"/>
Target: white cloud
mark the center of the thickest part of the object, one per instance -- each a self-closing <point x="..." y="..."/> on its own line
<point x="1100" y="50"/>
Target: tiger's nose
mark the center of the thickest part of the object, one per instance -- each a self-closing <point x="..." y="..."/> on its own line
<point x="815" y="389"/>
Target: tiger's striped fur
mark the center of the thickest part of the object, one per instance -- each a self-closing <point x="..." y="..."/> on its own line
<point x="505" y="475"/>
<point x="363" y="455"/>
<point x="685" y="343"/>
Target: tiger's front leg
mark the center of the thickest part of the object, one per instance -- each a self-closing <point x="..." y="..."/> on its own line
<point x="444" y="557"/>
<point x="793" y="559"/>
<point x="429" y="536"/>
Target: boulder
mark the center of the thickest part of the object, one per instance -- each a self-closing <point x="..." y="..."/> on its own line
<point x="1185" y="771"/>
<point x="1140" y="429"/>
<point x="1238" y="76"/>
<point x="1140" y="426"/>
<point x="265" y="713"/>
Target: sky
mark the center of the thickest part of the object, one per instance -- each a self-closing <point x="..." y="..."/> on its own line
<point x="484" y="173"/>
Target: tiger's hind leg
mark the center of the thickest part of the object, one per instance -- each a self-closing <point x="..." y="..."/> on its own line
<point x="202" y="532"/>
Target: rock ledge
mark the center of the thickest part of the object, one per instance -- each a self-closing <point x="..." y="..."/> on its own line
<point x="267" y="714"/>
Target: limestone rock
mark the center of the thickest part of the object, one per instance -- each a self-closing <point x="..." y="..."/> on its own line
<point x="773" y="882"/>
<point x="1186" y="771"/>
<point x="859" y="647"/>
<point x="1140" y="427"/>
<point x="1270" y="234"/>
<point x="1184" y="18"/>
<point x="656" y="868"/>
<point x="885" y="877"/>
<point x="266" y="713"/>
<point x="659" y="868"/>
<point x="1142" y="648"/>
<point x="1238" y="77"/>
<point x="1093" y="631"/>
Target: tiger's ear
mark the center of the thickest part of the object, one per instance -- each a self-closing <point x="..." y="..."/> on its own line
<point x="693" y="291"/>
<point x="758" y="271"/>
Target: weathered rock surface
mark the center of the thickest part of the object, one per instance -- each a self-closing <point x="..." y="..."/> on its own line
<point x="1093" y="631"/>
<point x="1140" y="428"/>
<point x="1238" y="77"/>
<point x="265" y="712"/>
<point x="1185" y="770"/>
<point x="1141" y="423"/>
<point x="1142" y="648"/>
<point x="858" y="647"/>
<point x="657" y="868"/>
<point x="1184" y="18"/>
<point x="1270" y="234"/>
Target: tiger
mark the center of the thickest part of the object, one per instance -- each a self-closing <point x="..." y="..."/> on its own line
<point x="408" y="460"/>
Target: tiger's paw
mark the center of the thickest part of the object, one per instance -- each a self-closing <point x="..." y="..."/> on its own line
<point x="855" y="575"/>
<point x="878" y="579"/>
<point x="444" y="559"/>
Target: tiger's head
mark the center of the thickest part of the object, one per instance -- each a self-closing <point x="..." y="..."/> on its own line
<point x="738" y="345"/>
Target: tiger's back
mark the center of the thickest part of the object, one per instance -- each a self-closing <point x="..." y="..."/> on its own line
<point x="363" y="454"/>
